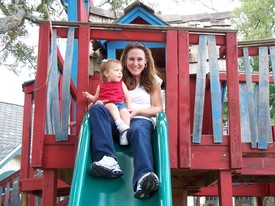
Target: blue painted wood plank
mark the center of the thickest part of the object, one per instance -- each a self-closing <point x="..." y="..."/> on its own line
<point x="15" y="200"/>
<point x="66" y="96"/>
<point x="200" y="89"/>
<point x="7" y="194"/>
<point x="55" y="108"/>
<point x="251" y="104"/>
<point x="245" y="123"/>
<point x="141" y="12"/>
<point x="264" y="113"/>
<point x="49" y="121"/>
<point x="272" y="58"/>
<point x="215" y="89"/>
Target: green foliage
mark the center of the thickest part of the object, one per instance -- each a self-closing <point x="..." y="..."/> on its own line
<point x="255" y="19"/>
<point x="115" y="5"/>
<point x="118" y="4"/>
<point x="17" y="49"/>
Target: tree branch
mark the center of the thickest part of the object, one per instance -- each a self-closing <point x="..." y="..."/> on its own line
<point x="13" y="21"/>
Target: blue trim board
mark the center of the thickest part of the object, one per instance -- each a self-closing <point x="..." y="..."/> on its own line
<point x="122" y="44"/>
<point x="130" y="17"/>
<point x="113" y="46"/>
<point x="144" y="14"/>
<point x="6" y="174"/>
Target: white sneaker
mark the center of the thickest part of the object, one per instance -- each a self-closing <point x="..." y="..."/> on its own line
<point x="146" y="186"/>
<point x="106" y="167"/>
<point x="123" y="140"/>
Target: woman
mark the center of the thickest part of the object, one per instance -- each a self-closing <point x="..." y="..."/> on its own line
<point x="140" y="77"/>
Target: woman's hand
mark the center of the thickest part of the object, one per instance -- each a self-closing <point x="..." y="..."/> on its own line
<point x="133" y="112"/>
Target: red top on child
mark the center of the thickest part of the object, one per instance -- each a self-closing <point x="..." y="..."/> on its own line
<point x="111" y="91"/>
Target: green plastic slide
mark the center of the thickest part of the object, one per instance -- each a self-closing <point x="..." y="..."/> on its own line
<point x="87" y="190"/>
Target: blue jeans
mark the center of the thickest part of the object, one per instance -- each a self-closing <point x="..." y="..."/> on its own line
<point x="104" y="132"/>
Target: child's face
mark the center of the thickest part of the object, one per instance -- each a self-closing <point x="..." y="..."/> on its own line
<point x="114" y="74"/>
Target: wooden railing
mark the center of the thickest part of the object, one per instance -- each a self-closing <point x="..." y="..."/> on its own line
<point x="9" y="188"/>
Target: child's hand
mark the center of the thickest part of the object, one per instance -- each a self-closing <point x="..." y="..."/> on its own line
<point x="85" y="94"/>
<point x="90" y="97"/>
<point x="102" y="101"/>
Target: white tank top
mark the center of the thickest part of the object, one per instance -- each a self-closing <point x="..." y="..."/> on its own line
<point x="141" y="99"/>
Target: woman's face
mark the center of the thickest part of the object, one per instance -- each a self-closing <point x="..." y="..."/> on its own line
<point x="136" y="61"/>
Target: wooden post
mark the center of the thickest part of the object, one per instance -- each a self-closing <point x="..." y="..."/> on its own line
<point x="25" y="199"/>
<point x="225" y="188"/>
<point x="259" y="201"/>
<point x="40" y="95"/>
<point x="26" y="135"/>
<point x="184" y="100"/>
<point x="172" y="94"/>
<point x="233" y="100"/>
<point x="49" y="187"/>
<point x="83" y="72"/>
<point x="179" y="196"/>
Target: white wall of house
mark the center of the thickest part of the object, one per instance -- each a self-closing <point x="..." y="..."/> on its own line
<point x="13" y="164"/>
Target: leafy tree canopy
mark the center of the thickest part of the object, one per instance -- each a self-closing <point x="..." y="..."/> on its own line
<point x="255" y="19"/>
<point x="17" y="18"/>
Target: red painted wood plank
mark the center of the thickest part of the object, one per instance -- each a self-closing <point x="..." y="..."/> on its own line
<point x="184" y="100"/>
<point x="207" y="140"/>
<point x="257" y="166"/>
<point x="28" y="87"/>
<point x="40" y="95"/>
<point x="239" y="190"/>
<point x="64" y="150"/>
<point x="83" y="15"/>
<point x="194" y="39"/>
<point x="233" y="101"/>
<point x="93" y="82"/>
<point x="242" y="78"/>
<point x="49" y="187"/>
<point x="65" y="154"/>
<point x="35" y="184"/>
<point x="172" y="95"/>
<point x="129" y="35"/>
<point x="50" y="140"/>
<point x="225" y="188"/>
<point x="252" y="51"/>
<point x="26" y="136"/>
<point x="30" y="184"/>
<point x="246" y="148"/>
<point x="210" y="157"/>
<point x="83" y="72"/>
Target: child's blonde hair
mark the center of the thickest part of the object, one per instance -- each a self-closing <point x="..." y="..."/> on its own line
<point x="105" y="65"/>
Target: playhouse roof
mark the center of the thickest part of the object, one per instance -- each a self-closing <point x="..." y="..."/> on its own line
<point x="11" y="118"/>
<point x="215" y="19"/>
